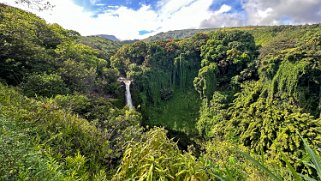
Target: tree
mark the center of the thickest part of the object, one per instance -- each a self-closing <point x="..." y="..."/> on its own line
<point x="39" y="5"/>
<point x="78" y="76"/>
<point x="225" y="55"/>
<point x="44" y="85"/>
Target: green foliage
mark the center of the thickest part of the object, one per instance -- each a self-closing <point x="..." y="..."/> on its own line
<point x="225" y="156"/>
<point x="75" y="103"/>
<point x="76" y="168"/>
<point x="119" y="126"/>
<point x="212" y="113"/>
<point x="30" y="46"/>
<point x="78" y="76"/>
<point x="20" y="159"/>
<point x="161" y="70"/>
<point x="47" y="85"/>
<point x="314" y="164"/>
<point x="250" y="100"/>
<point x="58" y="133"/>
<point x="78" y="52"/>
<point x="206" y="82"/>
<point x="178" y="113"/>
<point x="80" y="66"/>
<point x="315" y="160"/>
<point x="262" y="167"/>
<point x="287" y="78"/>
<point x="296" y="80"/>
<point x="158" y="66"/>
<point x="106" y="48"/>
<point x="224" y="55"/>
<point x="154" y="157"/>
<point x="270" y="127"/>
<point x="176" y="34"/>
<point x="270" y="108"/>
<point x="26" y="41"/>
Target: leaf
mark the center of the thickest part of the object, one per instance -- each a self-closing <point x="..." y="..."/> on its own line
<point x="150" y="173"/>
<point x="181" y="173"/>
<point x="293" y="171"/>
<point x="306" y="177"/>
<point x="314" y="157"/>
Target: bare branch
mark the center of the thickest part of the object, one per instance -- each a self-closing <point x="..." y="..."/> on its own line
<point x="39" y="5"/>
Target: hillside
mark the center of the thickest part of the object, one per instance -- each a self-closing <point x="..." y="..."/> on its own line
<point x="106" y="48"/>
<point x="107" y="37"/>
<point x="224" y="104"/>
<point x="176" y="34"/>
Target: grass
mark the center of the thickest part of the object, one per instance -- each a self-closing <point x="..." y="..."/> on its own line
<point x="178" y="113"/>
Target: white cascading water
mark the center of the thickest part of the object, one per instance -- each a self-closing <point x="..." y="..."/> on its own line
<point x="128" y="95"/>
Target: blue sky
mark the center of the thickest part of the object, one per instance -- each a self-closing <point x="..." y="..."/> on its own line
<point x="137" y="19"/>
<point x="99" y="6"/>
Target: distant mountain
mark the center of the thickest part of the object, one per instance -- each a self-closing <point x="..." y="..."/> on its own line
<point x="175" y="34"/>
<point x="108" y="37"/>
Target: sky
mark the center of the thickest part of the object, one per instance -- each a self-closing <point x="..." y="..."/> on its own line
<point x="138" y="19"/>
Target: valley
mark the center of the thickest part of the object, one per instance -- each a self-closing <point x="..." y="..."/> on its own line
<point x="239" y="103"/>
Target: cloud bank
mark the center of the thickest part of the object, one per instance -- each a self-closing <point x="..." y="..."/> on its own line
<point x="125" y="22"/>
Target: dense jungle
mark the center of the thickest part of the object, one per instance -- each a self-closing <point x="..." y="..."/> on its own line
<point x="222" y="104"/>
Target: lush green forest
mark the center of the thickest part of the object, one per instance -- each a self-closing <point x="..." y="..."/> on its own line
<point x="228" y="104"/>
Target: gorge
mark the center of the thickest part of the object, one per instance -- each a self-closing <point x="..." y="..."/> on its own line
<point x="201" y="104"/>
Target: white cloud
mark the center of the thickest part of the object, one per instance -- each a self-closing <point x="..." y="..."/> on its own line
<point x="268" y="12"/>
<point x="93" y="2"/>
<point x="261" y="12"/>
<point x="110" y="6"/>
<point x="183" y="15"/>
<point x="223" y="9"/>
<point x="220" y="18"/>
<point x="125" y="23"/>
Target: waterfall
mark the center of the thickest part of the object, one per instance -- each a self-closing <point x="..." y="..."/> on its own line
<point x="127" y="83"/>
<point x="128" y="95"/>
